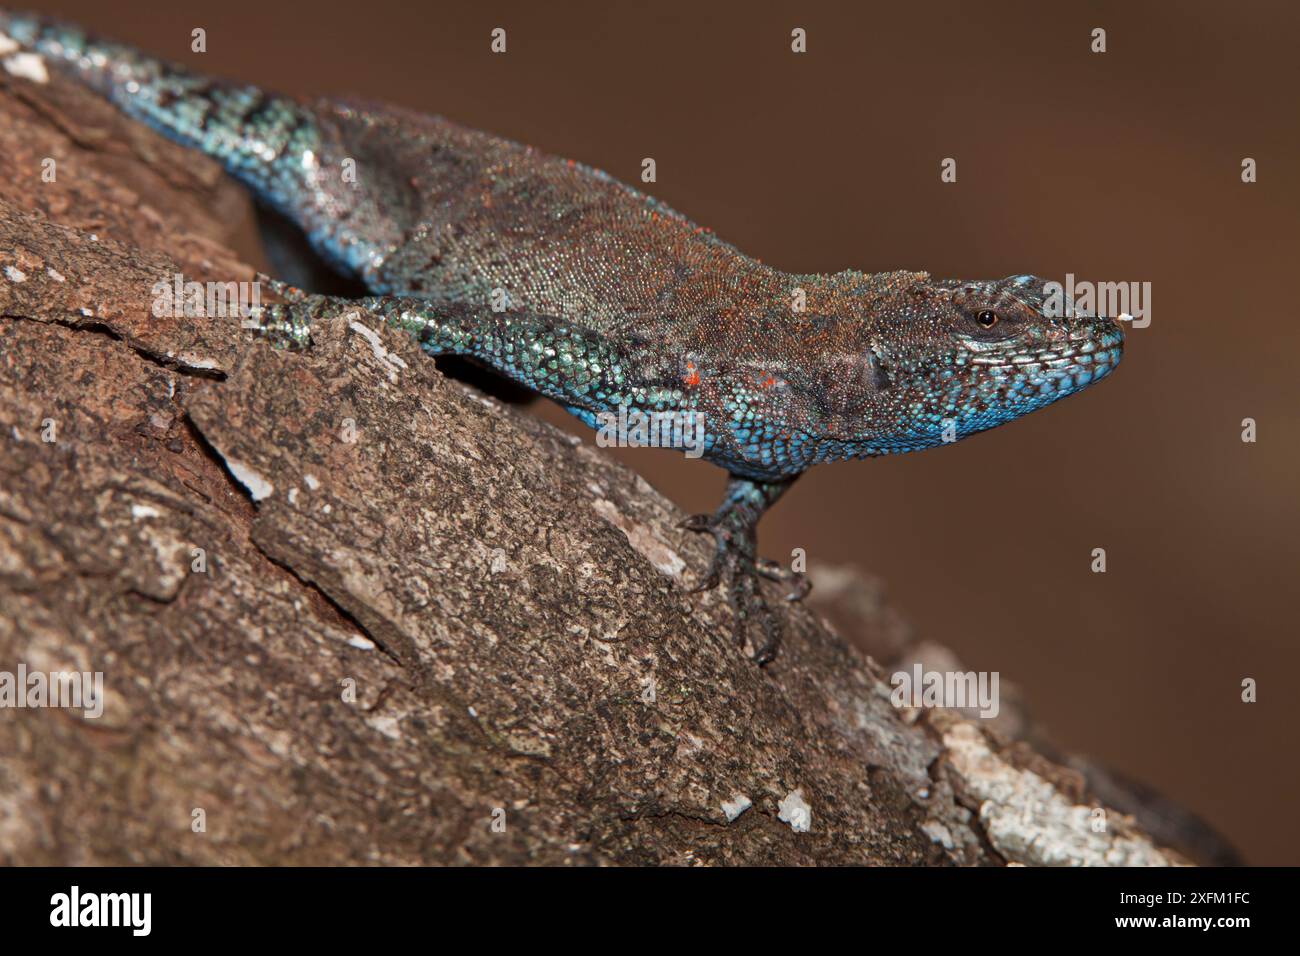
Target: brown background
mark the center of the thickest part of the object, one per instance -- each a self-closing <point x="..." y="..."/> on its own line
<point x="1121" y="167"/>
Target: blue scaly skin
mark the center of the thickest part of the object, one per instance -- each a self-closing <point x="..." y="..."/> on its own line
<point x="614" y="299"/>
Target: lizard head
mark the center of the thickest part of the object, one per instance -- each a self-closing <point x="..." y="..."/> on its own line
<point x="955" y="358"/>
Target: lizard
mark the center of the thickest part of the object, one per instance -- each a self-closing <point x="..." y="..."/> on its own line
<point x="615" y="300"/>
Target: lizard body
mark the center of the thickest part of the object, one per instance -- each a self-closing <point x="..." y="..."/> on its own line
<point x="615" y="300"/>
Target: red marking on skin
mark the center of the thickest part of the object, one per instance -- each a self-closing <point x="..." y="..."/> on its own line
<point x="692" y="377"/>
<point x="768" y="381"/>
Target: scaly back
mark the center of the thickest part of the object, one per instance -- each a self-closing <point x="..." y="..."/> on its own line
<point x="416" y="205"/>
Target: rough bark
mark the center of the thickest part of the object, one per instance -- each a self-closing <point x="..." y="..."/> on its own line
<point x="508" y="604"/>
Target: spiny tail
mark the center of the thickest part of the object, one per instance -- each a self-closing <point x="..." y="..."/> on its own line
<point x="260" y="138"/>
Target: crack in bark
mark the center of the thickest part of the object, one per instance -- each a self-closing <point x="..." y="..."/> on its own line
<point x="100" y="327"/>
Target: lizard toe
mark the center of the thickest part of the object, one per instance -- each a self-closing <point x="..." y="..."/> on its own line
<point x="755" y="622"/>
<point x="699" y="522"/>
<point x="800" y="586"/>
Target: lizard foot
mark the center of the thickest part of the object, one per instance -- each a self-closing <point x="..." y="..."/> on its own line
<point x="287" y="324"/>
<point x="283" y="324"/>
<point x="735" y="562"/>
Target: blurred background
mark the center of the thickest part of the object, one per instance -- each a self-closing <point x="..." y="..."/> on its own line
<point x="1122" y="166"/>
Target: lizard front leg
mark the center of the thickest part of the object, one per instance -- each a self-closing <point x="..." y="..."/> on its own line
<point x="733" y="527"/>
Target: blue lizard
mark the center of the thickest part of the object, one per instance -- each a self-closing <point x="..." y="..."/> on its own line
<point x="614" y="300"/>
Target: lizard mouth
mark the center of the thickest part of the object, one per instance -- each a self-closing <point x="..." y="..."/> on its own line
<point x="1091" y="353"/>
<point x="1059" y="365"/>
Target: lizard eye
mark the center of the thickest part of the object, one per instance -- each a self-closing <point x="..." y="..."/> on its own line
<point x="987" y="318"/>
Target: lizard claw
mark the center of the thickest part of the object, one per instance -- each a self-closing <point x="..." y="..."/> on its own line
<point x="800" y="586"/>
<point x="701" y="522"/>
<point x="710" y="579"/>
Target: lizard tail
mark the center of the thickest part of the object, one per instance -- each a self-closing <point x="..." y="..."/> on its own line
<point x="244" y="128"/>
